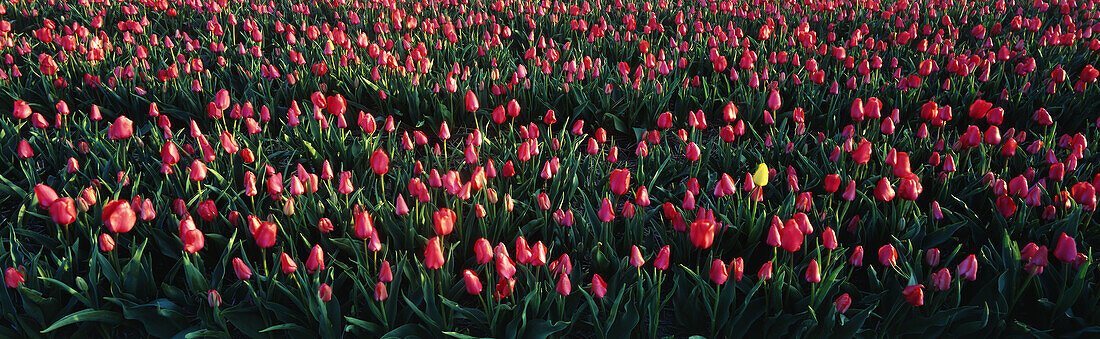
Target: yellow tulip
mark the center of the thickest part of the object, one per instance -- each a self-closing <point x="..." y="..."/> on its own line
<point x="760" y="178"/>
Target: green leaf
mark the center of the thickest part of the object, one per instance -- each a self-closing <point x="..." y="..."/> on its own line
<point x="85" y="316"/>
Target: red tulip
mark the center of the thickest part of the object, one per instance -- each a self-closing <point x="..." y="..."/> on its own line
<point x="198" y="170"/>
<point x="63" y="211"/>
<point x="765" y="272"/>
<point x="24" y="150"/>
<point x="433" y="254"/>
<point x="192" y="238"/>
<point x="380" y="162"/>
<point x="484" y="251"/>
<point x="471" y="102"/>
<point x="857" y="257"/>
<point x="828" y="238"/>
<point x="564" y="287"/>
<point x="791" y="236"/>
<point x="941" y="280"/>
<point x="932" y="257"/>
<point x="324" y="225"/>
<point x="862" y="154"/>
<point x="636" y="259"/>
<point x="887" y="255"/>
<point x="968" y="269"/>
<point x="702" y="233"/>
<point x="599" y="287"/>
<point x="364" y="225"/>
<point x="13" y="278"/>
<point x="444" y="220"/>
<point x="1006" y="206"/>
<point x="842" y="303"/>
<point x="265" y="234"/>
<point x="45" y="195"/>
<point x="718" y="272"/>
<point x="661" y="262"/>
<point x="287" y="264"/>
<point x="883" y="190"/>
<point x="324" y="292"/>
<point x="242" y="270"/>
<point x="316" y="261"/>
<point x="118" y="216"/>
<point x="1066" y="250"/>
<point x="832" y="183"/>
<point x="606" y="213"/>
<point x="813" y="272"/>
<point x="1084" y="194"/>
<point x="106" y="242"/>
<point x="122" y="128"/>
<point x="914" y="295"/>
<point x="774" y="102"/>
<point x="473" y="283"/>
<point x="380" y="293"/>
<point x="385" y="274"/>
<point x="207" y="210"/>
<point x="620" y="181"/>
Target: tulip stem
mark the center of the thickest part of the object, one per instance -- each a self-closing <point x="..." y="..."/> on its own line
<point x="714" y="313"/>
<point x="263" y="258"/>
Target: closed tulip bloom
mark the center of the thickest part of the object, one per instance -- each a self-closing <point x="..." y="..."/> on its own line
<point x="241" y="270"/>
<point x="914" y="294"/>
<point x="702" y="233"/>
<point x="941" y="280"/>
<point x="884" y="191"/>
<point x="380" y="162"/>
<point x="193" y="240"/>
<point x="842" y="303"/>
<point x="444" y="221"/>
<point x="380" y="293"/>
<point x="636" y="259"/>
<point x="968" y="268"/>
<point x="1066" y="250"/>
<point x="324" y="292"/>
<point x="832" y="183"/>
<point x="471" y="102"/>
<point x="122" y="128"/>
<point x="316" y="261"/>
<point x="791" y="236"/>
<point x="287" y="263"/>
<point x="504" y="265"/>
<point x="606" y="213"/>
<point x="765" y="272"/>
<point x="718" y="272"/>
<point x="483" y="251"/>
<point x="774" y="101"/>
<point x="599" y="286"/>
<point x="106" y="242"/>
<point x="661" y="262"/>
<point x="564" y="287"/>
<point x="857" y="257"/>
<point x="13" y="278"/>
<point x="24" y="150"/>
<point x="198" y="170"/>
<point x="887" y="255"/>
<point x="207" y="210"/>
<point x="324" y="225"/>
<point x="266" y="234"/>
<point x="473" y="283"/>
<point x="620" y="181"/>
<point x="118" y="216"/>
<point x="364" y="225"/>
<point x="538" y="254"/>
<point x="932" y="257"/>
<point x="813" y="272"/>
<point x="828" y="238"/>
<point x="63" y="211"/>
<point x="45" y="195"/>
<point x="433" y="254"/>
<point x="774" y="237"/>
<point x="1005" y="205"/>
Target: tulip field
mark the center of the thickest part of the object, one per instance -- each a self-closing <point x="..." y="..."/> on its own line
<point x="589" y="168"/>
